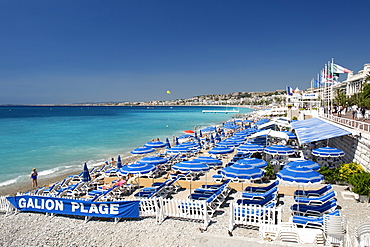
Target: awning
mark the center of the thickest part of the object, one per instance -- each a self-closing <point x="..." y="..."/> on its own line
<point x="314" y="129"/>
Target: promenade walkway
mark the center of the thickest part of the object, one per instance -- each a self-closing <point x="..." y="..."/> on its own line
<point x="347" y="121"/>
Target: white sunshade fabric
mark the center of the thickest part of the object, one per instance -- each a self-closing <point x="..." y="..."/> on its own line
<point x="315" y="129"/>
<point x="272" y="133"/>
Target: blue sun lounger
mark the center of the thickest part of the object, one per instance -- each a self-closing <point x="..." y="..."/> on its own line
<point x="310" y="210"/>
<point x="309" y="193"/>
<point x="262" y="202"/>
<point x="315" y="200"/>
<point x="252" y="189"/>
<point x="256" y="196"/>
<point x="312" y="221"/>
<point x="215" y="186"/>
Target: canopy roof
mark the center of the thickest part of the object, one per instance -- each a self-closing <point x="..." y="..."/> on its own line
<point x="315" y="129"/>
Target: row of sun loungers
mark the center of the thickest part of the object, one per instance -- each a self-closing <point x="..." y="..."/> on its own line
<point x="213" y="195"/>
<point x="312" y="206"/>
<point x="261" y="196"/>
<point x="159" y="189"/>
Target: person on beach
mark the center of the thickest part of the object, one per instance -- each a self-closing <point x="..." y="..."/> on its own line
<point x="172" y="172"/>
<point x="33" y="177"/>
<point x="131" y="179"/>
<point x="113" y="163"/>
<point x="121" y="181"/>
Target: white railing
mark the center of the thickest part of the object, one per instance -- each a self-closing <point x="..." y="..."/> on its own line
<point x="4" y="204"/>
<point x="253" y="215"/>
<point x="188" y="209"/>
<point x="351" y="123"/>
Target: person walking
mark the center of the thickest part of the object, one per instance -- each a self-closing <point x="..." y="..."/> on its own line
<point x="33" y="177"/>
<point x="363" y="111"/>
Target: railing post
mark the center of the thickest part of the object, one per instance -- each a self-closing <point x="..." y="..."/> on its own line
<point x="232" y="217"/>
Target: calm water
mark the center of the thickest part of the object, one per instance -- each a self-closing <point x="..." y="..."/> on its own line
<point x="60" y="139"/>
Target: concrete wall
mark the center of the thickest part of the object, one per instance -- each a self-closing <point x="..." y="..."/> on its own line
<point x="357" y="148"/>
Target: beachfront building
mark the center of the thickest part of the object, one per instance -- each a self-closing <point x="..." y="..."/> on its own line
<point x="352" y="85"/>
<point x="354" y="82"/>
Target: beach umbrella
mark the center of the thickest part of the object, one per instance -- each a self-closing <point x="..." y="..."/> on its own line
<point x="153" y="160"/>
<point x="208" y="129"/>
<point x="250" y="148"/>
<point x="211" y="139"/>
<point x="227" y="144"/>
<point x="142" y="150"/>
<point x="237" y="138"/>
<point x="328" y="152"/>
<point x="242" y="171"/>
<point x="137" y="168"/>
<point x="178" y="149"/>
<point x="168" y="145"/>
<point x="119" y="163"/>
<point x="299" y="174"/>
<point x="208" y="160"/>
<point x="230" y="126"/>
<point x="85" y="174"/>
<point x="217" y="137"/>
<point x="176" y="141"/>
<point x="253" y="162"/>
<point x="190" y="165"/>
<point x="220" y="150"/>
<point x="279" y="150"/>
<point x="189" y="131"/>
<point x="185" y="136"/>
<point x="303" y="163"/>
<point x="188" y="144"/>
<point x="195" y="135"/>
<point x="200" y="133"/>
<point x="290" y="134"/>
<point x="155" y="144"/>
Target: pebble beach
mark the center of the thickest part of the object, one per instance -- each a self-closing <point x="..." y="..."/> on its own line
<point x="34" y="229"/>
<point x="38" y="229"/>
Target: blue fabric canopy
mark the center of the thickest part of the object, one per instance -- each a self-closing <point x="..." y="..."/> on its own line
<point x="300" y="174"/>
<point x="153" y="160"/>
<point x="208" y="160"/>
<point x="248" y="147"/>
<point x="253" y="162"/>
<point x="142" y="150"/>
<point x="137" y="168"/>
<point x="315" y="129"/>
<point x="303" y="163"/>
<point x="190" y="165"/>
<point x="221" y="150"/>
<point x="242" y="171"/>
<point x="155" y="144"/>
<point x="86" y="174"/>
<point x="328" y="152"/>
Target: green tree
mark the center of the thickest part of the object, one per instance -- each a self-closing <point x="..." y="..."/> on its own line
<point x="341" y="98"/>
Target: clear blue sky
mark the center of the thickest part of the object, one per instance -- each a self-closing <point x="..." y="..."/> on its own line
<point x="93" y="51"/>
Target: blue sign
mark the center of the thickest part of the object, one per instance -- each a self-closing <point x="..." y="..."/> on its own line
<point x="116" y="209"/>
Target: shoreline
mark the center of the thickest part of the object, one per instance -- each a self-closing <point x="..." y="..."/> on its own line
<point x="13" y="189"/>
<point x="24" y="185"/>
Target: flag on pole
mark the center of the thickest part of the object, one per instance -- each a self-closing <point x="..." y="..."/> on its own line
<point x="289" y="90"/>
<point x="337" y="69"/>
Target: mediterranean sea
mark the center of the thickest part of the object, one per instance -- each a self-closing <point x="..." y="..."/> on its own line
<point x="59" y="139"/>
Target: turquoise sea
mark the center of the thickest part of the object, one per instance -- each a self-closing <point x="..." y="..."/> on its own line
<point x="60" y="139"/>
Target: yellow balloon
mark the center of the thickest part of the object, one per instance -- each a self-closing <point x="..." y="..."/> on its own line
<point x="169" y="92"/>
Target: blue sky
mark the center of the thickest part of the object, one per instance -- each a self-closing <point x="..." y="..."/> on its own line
<point x="99" y="51"/>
